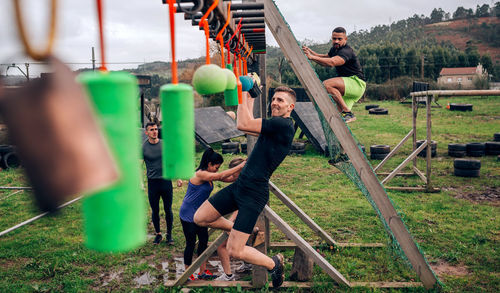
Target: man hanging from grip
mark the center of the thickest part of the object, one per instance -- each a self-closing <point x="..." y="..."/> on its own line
<point x="250" y="192"/>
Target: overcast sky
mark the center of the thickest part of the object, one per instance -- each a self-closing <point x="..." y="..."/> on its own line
<point x="137" y="31"/>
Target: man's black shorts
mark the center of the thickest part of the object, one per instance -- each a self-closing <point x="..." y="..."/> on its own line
<point x="248" y="198"/>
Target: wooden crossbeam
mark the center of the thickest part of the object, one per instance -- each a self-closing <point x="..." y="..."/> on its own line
<point x="405" y="162"/>
<point x="301" y="214"/>
<point x="393" y="151"/>
<point x="317" y="93"/>
<point x="292" y="245"/>
<point x="302" y="244"/>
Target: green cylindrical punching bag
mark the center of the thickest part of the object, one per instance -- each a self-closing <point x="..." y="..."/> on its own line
<point x="177" y="108"/>
<point x="231" y="95"/>
<point x="115" y="218"/>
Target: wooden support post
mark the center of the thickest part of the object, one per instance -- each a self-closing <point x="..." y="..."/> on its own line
<point x="316" y="91"/>
<point x="429" y="144"/>
<point x="393" y="151"/>
<point x="404" y="163"/>
<point x="414" y="110"/>
<point x="301" y="214"/>
<point x="302" y="267"/>
<point x="259" y="274"/>
<point x="301" y="243"/>
<point x="201" y="258"/>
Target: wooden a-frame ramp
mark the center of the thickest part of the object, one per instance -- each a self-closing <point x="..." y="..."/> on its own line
<point x="318" y="95"/>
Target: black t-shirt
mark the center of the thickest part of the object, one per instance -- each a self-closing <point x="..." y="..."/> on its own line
<point x="273" y="144"/>
<point x="351" y="66"/>
<point x="152" y="157"/>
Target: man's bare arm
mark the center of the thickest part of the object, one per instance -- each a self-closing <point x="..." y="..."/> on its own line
<point x="245" y="120"/>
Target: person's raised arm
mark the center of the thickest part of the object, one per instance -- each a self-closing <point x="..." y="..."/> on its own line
<point x="220" y="176"/>
<point x="310" y="51"/>
<point x="245" y="120"/>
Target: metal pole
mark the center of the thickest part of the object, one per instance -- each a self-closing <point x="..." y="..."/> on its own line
<point x="93" y="59"/>
<point x="27" y="71"/>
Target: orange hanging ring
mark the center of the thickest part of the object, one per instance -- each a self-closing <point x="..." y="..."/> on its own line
<point x="204" y="23"/>
<point x="219" y="35"/>
<point x="37" y="55"/>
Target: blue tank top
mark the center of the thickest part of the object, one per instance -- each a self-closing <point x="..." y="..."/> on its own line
<point x="195" y="196"/>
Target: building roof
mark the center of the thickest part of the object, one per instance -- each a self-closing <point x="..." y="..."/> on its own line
<point x="458" y="71"/>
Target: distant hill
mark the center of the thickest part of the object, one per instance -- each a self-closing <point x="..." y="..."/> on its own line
<point x="483" y="33"/>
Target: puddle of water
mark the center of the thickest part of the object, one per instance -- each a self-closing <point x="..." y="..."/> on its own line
<point x="145" y="279"/>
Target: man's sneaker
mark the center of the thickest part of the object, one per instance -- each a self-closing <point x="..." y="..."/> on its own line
<point x="277" y="273"/>
<point x="169" y="240"/>
<point x="244" y="267"/>
<point x="225" y="277"/>
<point x="206" y="275"/>
<point x="348" y="117"/>
<point x="158" y="239"/>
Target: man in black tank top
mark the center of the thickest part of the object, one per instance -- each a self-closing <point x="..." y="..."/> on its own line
<point x="250" y="193"/>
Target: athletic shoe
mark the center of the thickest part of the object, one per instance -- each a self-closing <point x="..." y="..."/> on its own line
<point x="244" y="267"/>
<point x="348" y="117"/>
<point x="277" y="273"/>
<point x="169" y="240"/>
<point x="225" y="277"/>
<point x="206" y="275"/>
<point x="158" y="239"/>
<point x="192" y="278"/>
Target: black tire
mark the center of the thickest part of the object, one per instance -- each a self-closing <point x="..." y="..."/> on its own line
<point x="496" y="136"/>
<point x="423" y="153"/>
<point x="368" y="107"/>
<point x="231" y="151"/>
<point x="492" y="148"/>
<point x="476" y="146"/>
<point x="475" y="154"/>
<point x="378" y="156"/>
<point x="378" y="111"/>
<point x="380" y="149"/>
<point x="467" y="164"/>
<point x="460" y="147"/>
<point x="297" y="152"/>
<point x="243" y="146"/>
<point x="230" y="145"/>
<point x="460" y="107"/>
<point x="10" y="160"/>
<point x="433" y="144"/>
<point x="466" y="172"/>
<point x="298" y="145"/>
<point x="457" y="154"/>
<point x="4" y="149"/>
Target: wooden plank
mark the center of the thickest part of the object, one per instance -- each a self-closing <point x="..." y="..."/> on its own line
<point x="394" y="151"/>
<point x="259" y="273"/>
<point x="318" y="259"/>
<point x="301" y="214"/>
<point x="469" y="93"/>
<point x="410" y="188"/>
<point x="302" y="267"/>
<point x="318" y="94"/>
<point x="399" y="174"/>
<point x="405" y="162"/>
<point x="203" y="257"/>
<point x="292" y="245"/>
<point x="419" y="173"/>
<point x="429" y="142"/>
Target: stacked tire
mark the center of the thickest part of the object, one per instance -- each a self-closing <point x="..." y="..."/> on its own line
<point x="379" y="152"/>
<point x="378" y="111"/>
<point x="457" y="150"/>
<point x="476" y="149"/>
<point x="423" y="153"/>
<point x="372" y="106"/>
<point x="8" y="157"/>
<point x="230" y="147"/>
<point x="298" y="148"/>
<point x="496" y="136"/>
<point x="243" y="147"/>
<point x="492" y="148"/>
<point x="460" y="107"/>
<point x="466" y="167"/>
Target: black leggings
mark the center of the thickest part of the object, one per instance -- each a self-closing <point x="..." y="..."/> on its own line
<point x="161" y="188"/>
<point x="190" y="232"/>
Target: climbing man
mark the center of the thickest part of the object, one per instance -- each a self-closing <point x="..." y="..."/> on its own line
<point x="157" y="186"/>
<point x="349" y="86"/>
<point x="250" y="192"/>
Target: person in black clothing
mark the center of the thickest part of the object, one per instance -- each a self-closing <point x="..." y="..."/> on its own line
<point x="350" y="85"/>
<point x="157" y="186"/>
<point x="250" y="192"/>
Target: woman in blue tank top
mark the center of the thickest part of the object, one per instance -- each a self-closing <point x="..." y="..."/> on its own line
<point x="198" y="190"/>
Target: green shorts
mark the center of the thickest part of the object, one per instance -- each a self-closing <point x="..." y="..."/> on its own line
<point x="354" y="90"/>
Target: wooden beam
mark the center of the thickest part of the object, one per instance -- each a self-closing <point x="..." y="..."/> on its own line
<point x="387" y="284"/>
<point x="317" y="93"/>
<point x="292" y="245"/>
<point x="405" y="162"/>
<point x="468" y="93"/>
<point x="410" y="188"/>
<point x="399" y="174"/>
<point x="394" y="151"/>
<point x="419" y="173"/>
<point x="301" y="214"/>
<point x="203" y="257"/>
<point x="318" y="259"/>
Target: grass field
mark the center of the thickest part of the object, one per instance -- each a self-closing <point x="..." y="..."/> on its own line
<point x="458" y="228"/>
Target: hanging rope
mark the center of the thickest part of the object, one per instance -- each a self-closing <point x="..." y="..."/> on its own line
<point x="245" y="67"/>
<point x="219" y="35"/>
<point x="101" y="36"/>
<point x="204" y="24"/>
<point x="37" y="55"/>
<point x="171" y="12"/>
